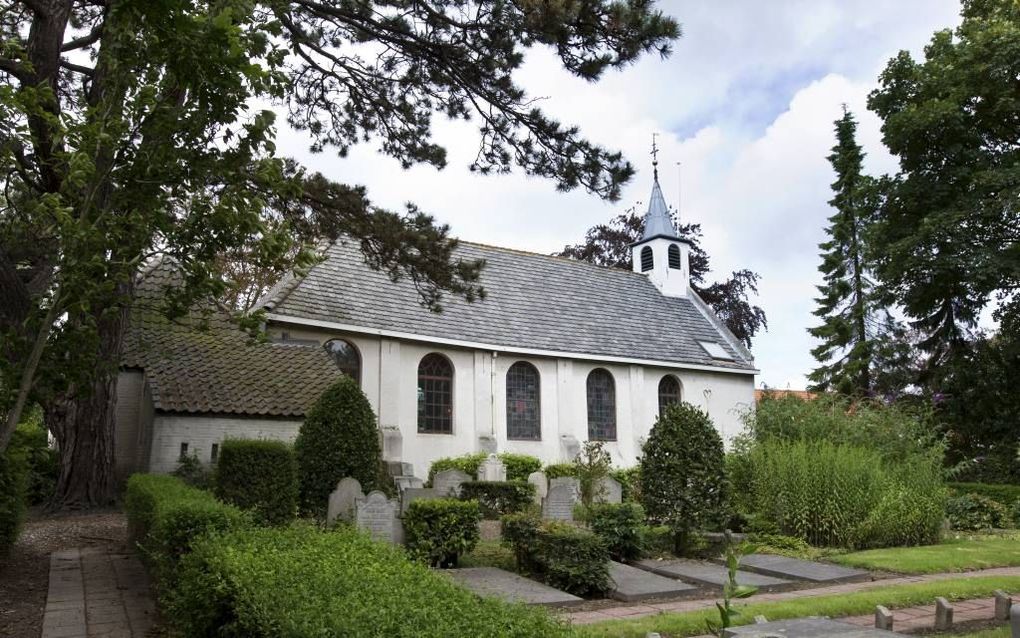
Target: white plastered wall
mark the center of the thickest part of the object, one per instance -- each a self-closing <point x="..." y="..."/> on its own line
<point x="200" y="432"/>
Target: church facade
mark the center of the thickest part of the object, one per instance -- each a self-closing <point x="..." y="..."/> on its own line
<point x="558" y="352"/>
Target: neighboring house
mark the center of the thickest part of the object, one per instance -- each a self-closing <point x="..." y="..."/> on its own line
<point x="771" y="393"/>
<point x="558" y="352"/>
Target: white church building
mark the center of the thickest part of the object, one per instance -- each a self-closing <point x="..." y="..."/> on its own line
<point x="557" y="353"/>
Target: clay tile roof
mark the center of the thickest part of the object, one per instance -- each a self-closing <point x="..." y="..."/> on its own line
<point x="210" y="365"/>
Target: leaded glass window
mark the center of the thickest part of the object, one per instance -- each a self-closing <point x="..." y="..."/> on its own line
<point x="346" y="357"/>
<point x="669" y="392"/>
<point x="674" y="257"/>
<point x="523" y="402"/>
<point x="601" y="406"/>
<point x="647" y="259"/>
<point x="435" y="395"/>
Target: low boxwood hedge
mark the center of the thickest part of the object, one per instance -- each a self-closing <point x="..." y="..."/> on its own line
<point x="518" y="466"/>
<point x="563" y="556"/>
<point x="559" y="470"/>
<point x="259" y="475"/>
<point x="166" y="518"/>
<point x="621" y="526"/>
<point x="497" y="498"/>
<point x="1004" y="494"/>
<point x="301" y="582"/>
<point x="437" y="531"/>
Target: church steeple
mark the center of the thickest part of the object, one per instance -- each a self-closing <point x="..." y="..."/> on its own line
<point x="661" y="254"/>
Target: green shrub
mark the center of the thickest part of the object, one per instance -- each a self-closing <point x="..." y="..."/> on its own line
<point x="338" y="438"/>
<point x="437" y="531"/>
<point x="779" y="544"/>
<point x="559" y="470"/>
<point x="42" y="463"/>
<point x="167" y="518"/>
<point x="912" y="506"/>
<point x="620" y="526"/>
<point x="571" y="559"/>
<point x="260" y="476"/>
<point x="13" y="484"/>
<point x="194" y="472"/>
<point x="630" y="482"/>
<point x="1014" y="513"/>
<point x="1003" y="494"/>
<point x="657" y="540"/>
<point x="300" y="582"/>
<point x="591" y="466"/>
<point x="683" y="476"/>
<point x="974" y="512"/>
<point x="518" y="466"/>
<point x="518" y="532"/>
<point x="497" y="498"/>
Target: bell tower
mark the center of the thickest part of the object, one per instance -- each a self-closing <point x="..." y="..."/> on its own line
<point x="660" y="253"/>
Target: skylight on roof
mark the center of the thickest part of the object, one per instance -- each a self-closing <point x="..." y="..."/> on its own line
<point x="715" y="350"/>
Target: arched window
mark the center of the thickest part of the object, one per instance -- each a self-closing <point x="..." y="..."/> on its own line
<point x="346" y="357"/>
<point x="674" y="257"/>
<point x="647" y="260"/>
<point x="435" y="395"/>
<point x="523" y="402"/>
<point x="601" y="406"/>
<point x="669" y="392"/>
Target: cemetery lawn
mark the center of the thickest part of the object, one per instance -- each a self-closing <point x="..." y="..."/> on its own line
<point x="953" y="555"/>
<point x="836" y="605"/>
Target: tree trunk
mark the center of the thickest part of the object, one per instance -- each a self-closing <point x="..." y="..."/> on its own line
<point x="83" y="420"/>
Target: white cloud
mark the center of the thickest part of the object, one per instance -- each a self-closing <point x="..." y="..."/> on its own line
<point x="746" y="103"/>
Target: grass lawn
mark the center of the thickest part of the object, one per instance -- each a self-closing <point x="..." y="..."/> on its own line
<point x="858" y="603"/>
<point x="962" y="554"/>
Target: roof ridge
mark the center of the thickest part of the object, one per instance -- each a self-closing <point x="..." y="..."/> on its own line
<point x="561" y="258"/>
<point x="279" y="291"/>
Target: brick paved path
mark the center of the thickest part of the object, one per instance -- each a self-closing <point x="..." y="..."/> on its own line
<point x="650" y="609"/>
<point x="97" y="593"/>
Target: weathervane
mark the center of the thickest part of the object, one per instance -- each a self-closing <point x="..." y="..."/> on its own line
<point x="655" y="157"/>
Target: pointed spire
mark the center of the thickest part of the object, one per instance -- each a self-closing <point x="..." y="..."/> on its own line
<point x="657" y="220"/>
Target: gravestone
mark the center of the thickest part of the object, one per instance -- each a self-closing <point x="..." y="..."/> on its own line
<point x="610" y="491"/>
<point x="1003" y="603"/>
<point x="492" y="469"/>
<point x="342" y="500"/>
<point x="378" y="515"/>
<point x="559" y="502"/>
<point x="541" y="483"/>
<point x="398" y="468"/>
<point x="448" y="482"/>
<point x="883" y="618"/>
<point x="405" y="482"/>
<point x="943" y="614"/>
<point x="392" y="442"/>
<point x="413" y="494"/>
<point x="566" y="480"/>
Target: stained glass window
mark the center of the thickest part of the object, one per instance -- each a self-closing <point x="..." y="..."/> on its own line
<point x="601" y="406"/>
<point x="669" y="392"/>
<point x="523" y="402"/>
<point x="435" y="395"/>
<point x="346" y="357"/>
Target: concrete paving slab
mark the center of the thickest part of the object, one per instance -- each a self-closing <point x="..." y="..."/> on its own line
<point x="706" y="573"/>
<point x="633" y="584"/>
<point x="499" y="583"/>
<point x="805" y="628"/>
<point x="795" y="568"/>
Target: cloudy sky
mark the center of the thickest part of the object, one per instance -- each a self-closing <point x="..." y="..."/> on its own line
<point x="745" y="103"/>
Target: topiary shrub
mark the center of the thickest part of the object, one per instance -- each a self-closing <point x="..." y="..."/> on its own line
<point x="338" y="438"/>
<point x="13" y="484"/>
<point x="974" y="512"/>
<point x="438" y="531"/>
<point x="497" y="498"/>
<point x="571" y="559"/>
<point x="559" y="470"/>
<point x="683" y="475"/>
<point x="260" y="476"/>
<point x="620" y="525"/>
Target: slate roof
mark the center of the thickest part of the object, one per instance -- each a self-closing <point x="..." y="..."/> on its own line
<point x="657" y="220"/>
<point x="533" y="302"/>
<point x="219" y="369"/>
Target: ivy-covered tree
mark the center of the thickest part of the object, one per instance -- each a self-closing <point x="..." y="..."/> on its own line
<point x="947" y="238"/>
<point x="854" y="323"/>
<point x="609" y="245"/>
<point x="127" y="129"/>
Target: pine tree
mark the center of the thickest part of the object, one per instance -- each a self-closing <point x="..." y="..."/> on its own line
<point x="852" y="320"/>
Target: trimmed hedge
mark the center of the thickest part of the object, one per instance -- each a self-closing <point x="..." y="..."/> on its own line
<point x="559" y="470"/>
<point x="518" y="466"/>
<point x="569" y="558"/>
<point x="621" y="526"/>
<point x="497" y="498"/>
<point x="338" y="438"/>
<point x="976" y="512"/>
<point x="1002" y="494"/>
<point x="13" y="484"/>
<point x="166" y="518"/>
<point x="258" y="475"/>
<point x="303" y="583"/>
<point x="438" y="531"/>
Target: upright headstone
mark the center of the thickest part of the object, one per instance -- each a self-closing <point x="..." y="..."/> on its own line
<point x="541" y="483"/>
<point x="448" y="482"/>
<point x="392" y="443"/>
<point x="413" y="494"/>
<point x="405" y="482"/>
<point x="378" y="515"/>
<point x="559" y="502"/>
<point x="883" y="618"/>
<point x="342" y="500"/>
<point x="492" y="469"/>
<point x="566" y="480"/>
<point x="610" y="491"/>
<point x="943" y="614"/>
<point x="1014" y="622"/>
<point x="1003" y="603"/>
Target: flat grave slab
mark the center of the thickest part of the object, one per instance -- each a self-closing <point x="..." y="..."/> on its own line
<point x="805" y="628"/>
<point x="784" y="567"/>
<point x="705" y="573"/>
<point x="634" y="584"/>
<point x="499" y="583"/>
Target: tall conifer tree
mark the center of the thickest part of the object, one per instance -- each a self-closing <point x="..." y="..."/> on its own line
<point x="851" y="318"/>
